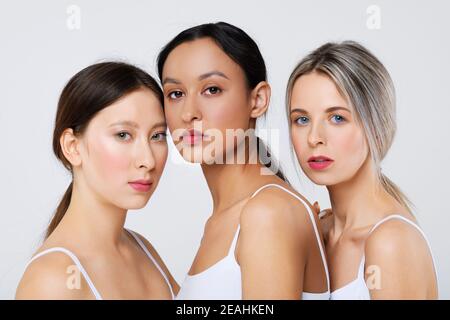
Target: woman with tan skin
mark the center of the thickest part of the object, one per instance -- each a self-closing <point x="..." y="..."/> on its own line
<point x="341" y="106"/>
<point x="110" y="134"/>
<point x="261" y="240"/>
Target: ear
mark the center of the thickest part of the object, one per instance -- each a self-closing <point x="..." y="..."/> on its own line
<point x="70" y="147"/>
<point x="260" y="98"/>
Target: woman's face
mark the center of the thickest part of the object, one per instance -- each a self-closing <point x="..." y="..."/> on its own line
<point x="205" y="93"/>
<point x="124" y="150"/>
<point x="330" y="145"/>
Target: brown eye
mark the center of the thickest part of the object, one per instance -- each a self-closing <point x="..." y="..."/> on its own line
<point x="213" y="90"/>
<point x="175" y="95"/>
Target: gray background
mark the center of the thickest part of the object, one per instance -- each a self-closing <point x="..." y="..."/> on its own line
<point x="40" y="52"/>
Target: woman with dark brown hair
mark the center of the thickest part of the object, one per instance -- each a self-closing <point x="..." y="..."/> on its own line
<point x="110" y="134"/>
<point x="261" y="240"/>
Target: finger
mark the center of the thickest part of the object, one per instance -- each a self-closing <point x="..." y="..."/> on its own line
<point x="325" y="213"/>
<point x="316" y="207"/>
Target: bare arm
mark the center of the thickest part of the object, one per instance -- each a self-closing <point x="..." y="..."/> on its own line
<point x="270" y="253"/>
<point x="398" y="263"/>
<point x="53" y="277"/>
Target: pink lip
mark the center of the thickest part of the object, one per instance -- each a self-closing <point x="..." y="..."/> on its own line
<point x="192" y="136"/>
<point x="319" y="162"/>
<point x="141" y="185"/>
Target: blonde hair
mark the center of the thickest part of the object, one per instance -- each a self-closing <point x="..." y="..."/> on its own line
<point x="366" y="84"/>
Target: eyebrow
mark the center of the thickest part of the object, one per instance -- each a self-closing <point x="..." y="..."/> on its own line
<point x="201" y="77"/>
<point x="328" y="110"/>
<point x="135" y="125"/>
<point x="170" y="80"/>
<point x="212" y="73"/>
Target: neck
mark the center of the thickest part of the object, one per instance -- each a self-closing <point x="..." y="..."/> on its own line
<point x="92" y="220"/>
<point x="230" y="183"/>
<point x="358" y="202"/>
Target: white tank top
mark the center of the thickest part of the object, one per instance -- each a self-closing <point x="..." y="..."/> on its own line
<point x="357" y="289"/>
<point x="222" y="281"/>
<point x="85" y="274"/>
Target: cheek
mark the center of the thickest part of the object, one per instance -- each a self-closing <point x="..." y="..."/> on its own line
<point x="172" y="118"/>
<point x="351" y="147"/>
<point x="299" y="141"/>
<point x="160" y="153"/>
<point x="229" y="111"/>
<point x="109" y="158"/>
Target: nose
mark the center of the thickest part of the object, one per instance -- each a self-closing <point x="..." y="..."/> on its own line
<point x="144" y="155"/>
<point x="316" y="135"/>
<point x="190" y="111"/>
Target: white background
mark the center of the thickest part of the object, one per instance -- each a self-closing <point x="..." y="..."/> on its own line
<point x="39" y="53"/>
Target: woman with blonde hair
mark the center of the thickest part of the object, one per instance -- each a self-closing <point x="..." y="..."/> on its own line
<point x="341" y="110"/>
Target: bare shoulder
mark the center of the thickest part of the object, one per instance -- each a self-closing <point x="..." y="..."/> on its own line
<point x="149" y="247"/>
<point x="274" y="209"/>
<point x="272" y="241"/>
<point x="399" y="254"/>
<point x="159" y="260"/>
<point x="53" y="276"/>
<point x="395" y="237"/>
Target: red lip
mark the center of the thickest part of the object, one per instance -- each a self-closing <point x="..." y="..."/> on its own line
<point x="319" y="162"/>
<point x="141" y="185"/>
<point x="192" y="136"/>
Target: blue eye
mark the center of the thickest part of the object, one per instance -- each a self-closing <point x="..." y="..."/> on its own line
<point x="160" y="136"/>
<point x="213" y="90"/>
<point x="337" y="118"/>
<point x="123" y="136"/>
<point x="302" y="121"/>
<point x="175" y="95"/>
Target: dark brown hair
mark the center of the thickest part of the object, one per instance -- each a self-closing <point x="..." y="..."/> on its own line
<point x="89" y="91"/>
<point x="243" y="50"/>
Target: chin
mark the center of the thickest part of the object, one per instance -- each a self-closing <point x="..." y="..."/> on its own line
<point x="193" y="156"/>
<point x="192" y="160"/>
<point x="318" y="181"/>
<point x="321" y="179"/>
<point x="136" y="206"/>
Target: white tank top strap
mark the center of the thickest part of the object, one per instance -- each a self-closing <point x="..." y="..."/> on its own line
<point x="397" y="216"/>
<point x="265" y="186"/>
<point x="392" y="216"/>
<point x="77" y="263"/>
<point x="313" y="221"/>
<point x="234" y="242"/>
<point x="142" y="245"/>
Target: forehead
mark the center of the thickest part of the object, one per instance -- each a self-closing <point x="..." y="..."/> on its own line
<point x="194" y="58"/>
<point x="140" y="106"/>
<point x="316" y="89"/>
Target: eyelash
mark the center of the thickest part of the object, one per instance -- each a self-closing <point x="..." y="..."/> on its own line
<point x="332" y="117"/>
<point x="170" y="94"/>
<point x="163" y="134"/>
<point x="302" y="117"/>
<point x="337" y="115"/>
<point x="122" y="132"/>
<point x="213" y="87"/>
<point x="209" y="94"/>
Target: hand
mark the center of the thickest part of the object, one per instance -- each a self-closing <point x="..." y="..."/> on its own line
<point x="321" y="214"/>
